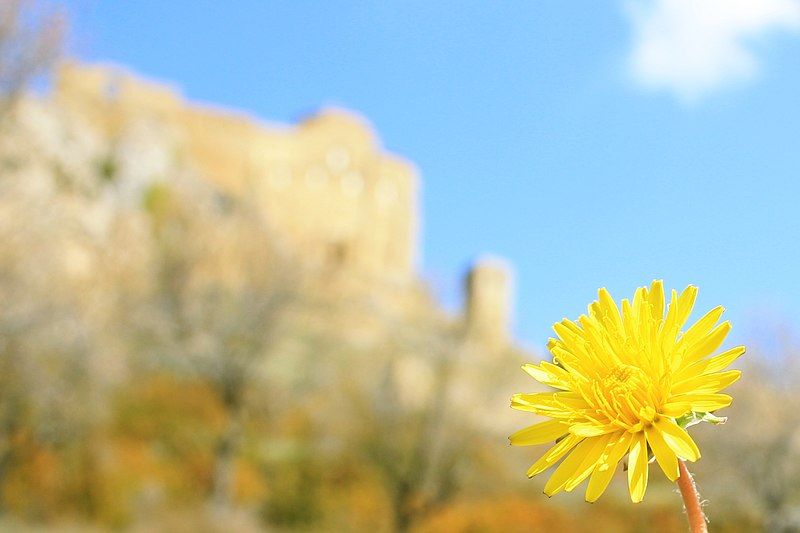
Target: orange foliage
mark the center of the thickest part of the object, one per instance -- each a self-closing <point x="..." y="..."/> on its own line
<point x="35" y="471"/>
<point x="508" y="515"/>
<point x="357" y="504"/>
<point x="514" y="514"/>
<point x="250" y="486"/>
<point x="166" y="430"/>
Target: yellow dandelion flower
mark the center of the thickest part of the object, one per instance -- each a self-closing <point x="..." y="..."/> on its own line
<point x="628" y="383"/>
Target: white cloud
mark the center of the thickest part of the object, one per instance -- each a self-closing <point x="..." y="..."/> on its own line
<point x="692" y="47"/>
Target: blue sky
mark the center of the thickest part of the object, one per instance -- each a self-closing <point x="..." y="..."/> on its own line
<point x="589" y="143"/>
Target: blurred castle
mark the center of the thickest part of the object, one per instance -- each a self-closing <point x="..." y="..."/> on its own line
<point x="326" y="186"/>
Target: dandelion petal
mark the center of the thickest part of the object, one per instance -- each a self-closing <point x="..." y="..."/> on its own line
<point x="665" y="456"/>
<point x="677" y="439"/>
<point x="637" y="467"/>
<point x="539" y="433"/>
<point x="604" y="470"/>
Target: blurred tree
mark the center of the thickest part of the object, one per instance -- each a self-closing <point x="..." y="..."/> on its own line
<point x="222" y="296"/>
<point x="750" y="469"/>
<point x="48" y="404"/>
<point x="410" y="430"/>
<point x="31" y="37"/>
<point x="767" y="435"/>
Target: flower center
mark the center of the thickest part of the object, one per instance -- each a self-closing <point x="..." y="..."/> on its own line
<point x="625" y="397"/>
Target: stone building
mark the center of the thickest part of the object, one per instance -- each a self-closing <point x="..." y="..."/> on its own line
<point x="326" y="186"/>
<point x="488" y="309"/>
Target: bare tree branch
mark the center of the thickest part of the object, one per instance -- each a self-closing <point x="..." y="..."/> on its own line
<point x="31" y="37"/>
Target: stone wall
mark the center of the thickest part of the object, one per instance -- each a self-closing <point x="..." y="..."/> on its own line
<point x="325" y="185"/>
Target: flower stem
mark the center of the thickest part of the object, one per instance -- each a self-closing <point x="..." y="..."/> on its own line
<point x="691" y="500"/>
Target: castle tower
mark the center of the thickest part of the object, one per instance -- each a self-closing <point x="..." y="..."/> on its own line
<point x="488" y="306"/>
